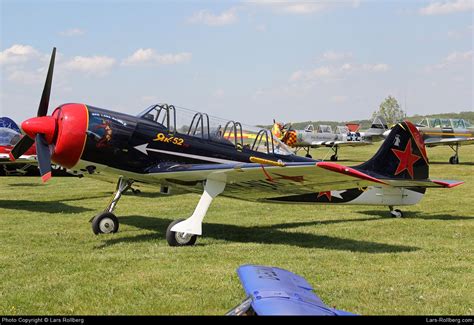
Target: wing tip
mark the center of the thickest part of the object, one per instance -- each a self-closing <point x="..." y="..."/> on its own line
<point x="448" y="184"/>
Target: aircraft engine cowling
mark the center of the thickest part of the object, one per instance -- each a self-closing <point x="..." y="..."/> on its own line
<point x="72" y="122"/>
<point x="65" y="132"/>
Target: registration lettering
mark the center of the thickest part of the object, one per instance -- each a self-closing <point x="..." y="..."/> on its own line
<point x="161" y="137"/>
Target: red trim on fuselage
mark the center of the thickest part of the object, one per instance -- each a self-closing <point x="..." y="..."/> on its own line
<point x="348" y="171"/>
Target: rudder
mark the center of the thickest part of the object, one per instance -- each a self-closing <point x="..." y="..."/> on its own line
<point x="401" y="156"/>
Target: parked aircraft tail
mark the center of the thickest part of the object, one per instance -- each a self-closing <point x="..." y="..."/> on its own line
<point x="401" y="156"/>
<point x="378" y="127"/>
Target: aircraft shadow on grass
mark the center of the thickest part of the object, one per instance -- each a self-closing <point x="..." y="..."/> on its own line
<point x="263" y="235"/>
<point x="54" y="206"/>
<point x="24" y="184"/>
<point x="422" y="215"/>
<point x="448" y="164"/>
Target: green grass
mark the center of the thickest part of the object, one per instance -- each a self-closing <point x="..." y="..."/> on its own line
<point x="356" y="257"/>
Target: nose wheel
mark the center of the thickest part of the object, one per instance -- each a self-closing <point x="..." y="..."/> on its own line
<point x="105" y="223"/>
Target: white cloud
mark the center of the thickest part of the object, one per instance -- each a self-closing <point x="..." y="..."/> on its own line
<point x="218" y="93"/>
<point x="453" y="59"/>
<point x="336" y="56"/>
<point x="339" y="99"/>
<point x="72" y="32"/>
<point x="149" y="99"/>
<point x="336" y="72"/>
<point x="26" y="77"/>
<point x="93" y="65"/>
<point x="261" y="28"/>
<point x="149" y="56"/>
<point x="303" y="7"/>
<point x="206" y="17"/>
<point x="18" y="54"/>
<point x="447" y="7"/>
<point x="378" y="67"/>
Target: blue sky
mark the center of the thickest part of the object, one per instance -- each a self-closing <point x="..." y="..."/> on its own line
<point x="245" y="60"/>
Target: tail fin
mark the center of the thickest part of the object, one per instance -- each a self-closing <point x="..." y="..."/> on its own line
<point x="378" y="127"/>
<point x="379" y="123"/>
<point x="401" y="156"/>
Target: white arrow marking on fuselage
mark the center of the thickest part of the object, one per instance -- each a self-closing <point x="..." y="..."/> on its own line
<point x="337" y="194"/>
<point x="144" y="148"/>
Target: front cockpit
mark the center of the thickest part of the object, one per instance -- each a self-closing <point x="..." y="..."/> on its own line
<point x="200" y="125"/>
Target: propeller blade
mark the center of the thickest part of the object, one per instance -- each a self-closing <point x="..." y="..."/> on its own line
<point x="21" y="147"/>
<point x="44" y="103"/>
<point x="44" y="157"/>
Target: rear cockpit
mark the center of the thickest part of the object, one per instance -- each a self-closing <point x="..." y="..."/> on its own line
<point x="201" y="125"/>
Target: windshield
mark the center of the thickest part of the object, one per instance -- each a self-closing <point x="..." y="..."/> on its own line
<point x="193" y="123"/>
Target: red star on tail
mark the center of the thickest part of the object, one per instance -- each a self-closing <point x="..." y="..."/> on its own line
<point x="407" y="159"/>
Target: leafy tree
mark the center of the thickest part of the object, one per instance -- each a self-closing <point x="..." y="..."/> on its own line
<point x="390" y="110"/>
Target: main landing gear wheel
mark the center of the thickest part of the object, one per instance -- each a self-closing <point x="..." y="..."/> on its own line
<point x="105" y="223"/>
<point x="308" y="156"/>
<point x="179" y="238"/>
<point x="397" y="213"/>
<point x="334" y="158"/>
<point x="454" y="160"/>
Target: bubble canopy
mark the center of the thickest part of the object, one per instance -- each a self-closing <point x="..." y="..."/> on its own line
<point x="193" y="123"/>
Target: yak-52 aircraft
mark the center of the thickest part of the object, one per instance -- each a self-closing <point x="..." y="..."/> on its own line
<point x="324" y="136"/>
<point x="445" y="132"/>
<point x="160" y="147"/>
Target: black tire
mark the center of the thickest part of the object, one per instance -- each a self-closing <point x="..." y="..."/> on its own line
<point x="105" y="223"/>
<point x="333" y="158"/>
<point x="397" y="213"/>
<point x="308" y="156"/>
<point x="176" y="239"/>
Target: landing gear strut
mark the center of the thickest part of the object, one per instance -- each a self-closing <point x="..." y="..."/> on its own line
<point x="334" y="157"/>
<point x="454" y="160"/>
<point x="107" y="222"/>
<point x="397" y="213"/>
<point x="185" y="232"/>
<point x="307" y="153"/>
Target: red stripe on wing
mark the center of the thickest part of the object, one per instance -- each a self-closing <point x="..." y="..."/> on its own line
<point x="348" y="171"/>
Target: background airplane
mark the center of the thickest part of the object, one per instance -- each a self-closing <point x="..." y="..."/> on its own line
<point x="10" y="134"/>
<point x="160" y="147"/>
<point x="324" y="136"/>
<point x="445" y="132"/>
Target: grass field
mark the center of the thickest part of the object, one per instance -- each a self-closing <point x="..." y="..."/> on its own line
<point x="356" y="257"/>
